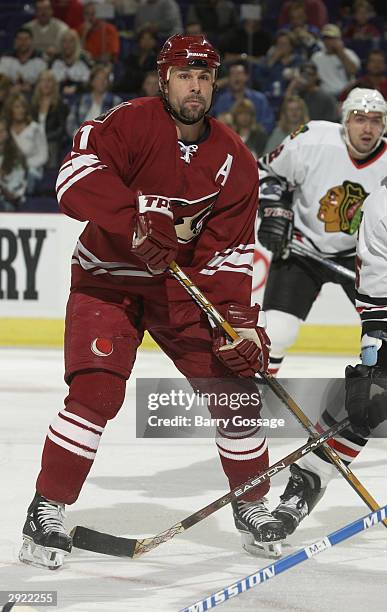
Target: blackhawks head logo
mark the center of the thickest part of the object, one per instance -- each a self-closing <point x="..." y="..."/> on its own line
<point x="340" y="207"/>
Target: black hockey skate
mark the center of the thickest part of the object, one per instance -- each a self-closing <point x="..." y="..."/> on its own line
<point x="45" y="541"/>
<point x="260" y="531"/>
<point x="302" y="493"/>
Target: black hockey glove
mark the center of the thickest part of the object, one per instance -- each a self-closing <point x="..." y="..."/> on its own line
<point x="365" y="413"/>
<point x="276" y="229"/>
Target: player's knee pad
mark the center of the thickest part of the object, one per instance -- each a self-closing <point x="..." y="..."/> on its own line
<point x="282" y="329"/>
<point x="96" y="396"/>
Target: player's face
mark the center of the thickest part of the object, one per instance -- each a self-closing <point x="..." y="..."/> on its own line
<point x="364" y="130"/>
<point x="190" y="92"/>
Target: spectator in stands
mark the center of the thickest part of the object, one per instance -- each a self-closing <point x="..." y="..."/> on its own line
<point x="161" y="16"/>
<point x="316" y="12"/>
<point x="306" y="84"/>
<point x="13" y="175"/>
<point x="29" y="137"/>
<point x="245" y="124"/>
<point x="293" y="114"/>
<point x="281" y="62"/>
<point x="92" y="104"/>
<point x="150" y="84"/>
<point x="25" y="64"/>
<point x="194" y="28"/>
<point x="69" y="11"/>
<point x="362" y="25"/>
<point x="227" y="119"/>
<point x="374" y="77"/>
<point x="100" y="38"/>
<point x="215" y="16"/>
<point x="237" y="90"/>
<point x="46" y="30"/>
<point x="140" y="62"/>
<point x="337" y="66"/>
<point x="71" y="68"/>
<point x="50" y="112"/>
<point x="305" y="36"/>
<point x="250" y="41"/>
<point x="5" y="89"/>
<point x="380" y="8"/>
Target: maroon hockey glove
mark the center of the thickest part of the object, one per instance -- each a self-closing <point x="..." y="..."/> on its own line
<point x="154" y="239"/>
<point x="250" y="354"/>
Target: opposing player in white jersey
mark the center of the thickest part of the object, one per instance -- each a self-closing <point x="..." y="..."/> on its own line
<point x="312" y="189"/>
<point x="366" y="412"/>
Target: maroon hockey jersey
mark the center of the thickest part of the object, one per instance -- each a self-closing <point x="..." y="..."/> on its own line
<point x="212" y="185"/>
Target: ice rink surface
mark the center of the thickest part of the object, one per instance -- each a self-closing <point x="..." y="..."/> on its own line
<point x="141" y="487"/>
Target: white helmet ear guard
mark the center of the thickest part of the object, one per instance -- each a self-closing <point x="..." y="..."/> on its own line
<point x="366" y="101"/>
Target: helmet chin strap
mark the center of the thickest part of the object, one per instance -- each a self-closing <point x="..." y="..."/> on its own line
<point x="359" y="154"/>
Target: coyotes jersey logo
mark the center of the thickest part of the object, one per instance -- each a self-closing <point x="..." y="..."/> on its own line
<point x="340" y="207"/>
<point x="189" y="225"/>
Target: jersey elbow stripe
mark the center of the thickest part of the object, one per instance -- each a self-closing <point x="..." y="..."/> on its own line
<point x="236" y="259"/>
<point x="248" y="270"/>
<point x="76" y="178"/>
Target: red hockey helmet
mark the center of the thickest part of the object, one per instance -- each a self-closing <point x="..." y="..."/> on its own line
<point x="181" y="50"/>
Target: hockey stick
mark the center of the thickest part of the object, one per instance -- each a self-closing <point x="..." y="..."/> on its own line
<point x="300" y="249"/>
<point x="95" y="541"/>
<point x="280" y="566"/>
<point x="211" y="312"/>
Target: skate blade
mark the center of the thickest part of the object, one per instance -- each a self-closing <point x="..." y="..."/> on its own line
<point x="261" y="549"/>
<point x="40" y="556"/>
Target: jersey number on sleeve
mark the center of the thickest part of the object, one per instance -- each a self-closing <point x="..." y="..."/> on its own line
<point x="85" y="131"/>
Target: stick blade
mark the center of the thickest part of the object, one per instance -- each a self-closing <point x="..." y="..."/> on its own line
<point x="103" y="543"/>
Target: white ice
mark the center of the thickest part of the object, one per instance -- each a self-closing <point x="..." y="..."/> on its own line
<point x="141" y="487"/>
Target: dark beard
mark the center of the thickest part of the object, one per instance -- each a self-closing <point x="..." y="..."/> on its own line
<point x="192" y="116"/>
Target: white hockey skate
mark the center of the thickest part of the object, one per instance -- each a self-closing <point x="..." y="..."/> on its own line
<point x="45" y="541"/>
<point x="261" y="533"/>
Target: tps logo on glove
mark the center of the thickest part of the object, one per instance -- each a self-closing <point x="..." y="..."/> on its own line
<point x="154" y="203"/>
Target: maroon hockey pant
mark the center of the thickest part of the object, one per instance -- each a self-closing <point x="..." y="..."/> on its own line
<point x="103" y="331"/>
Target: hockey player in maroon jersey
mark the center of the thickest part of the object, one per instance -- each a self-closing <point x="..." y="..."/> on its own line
<point x="157" y="180"/>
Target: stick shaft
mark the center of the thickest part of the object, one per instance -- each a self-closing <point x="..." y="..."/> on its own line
<point x="280" y="566"/>
<point x="150" y="543"/>
<point x="89" y="539"/>
<point x="299" y="249"/>
<point x="275" y="386"/>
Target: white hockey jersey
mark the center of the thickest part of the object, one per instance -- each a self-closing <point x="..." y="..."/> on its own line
<point x="328" y="185"/>
<point x="371" y="281"/>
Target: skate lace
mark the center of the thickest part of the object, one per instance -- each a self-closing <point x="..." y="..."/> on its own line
<point x="255" y="513"/>
<point x="187" y="151"/>
<point x="51" y="517"/>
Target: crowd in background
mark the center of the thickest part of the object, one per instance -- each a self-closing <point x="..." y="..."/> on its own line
<point x="63" y="62"/>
